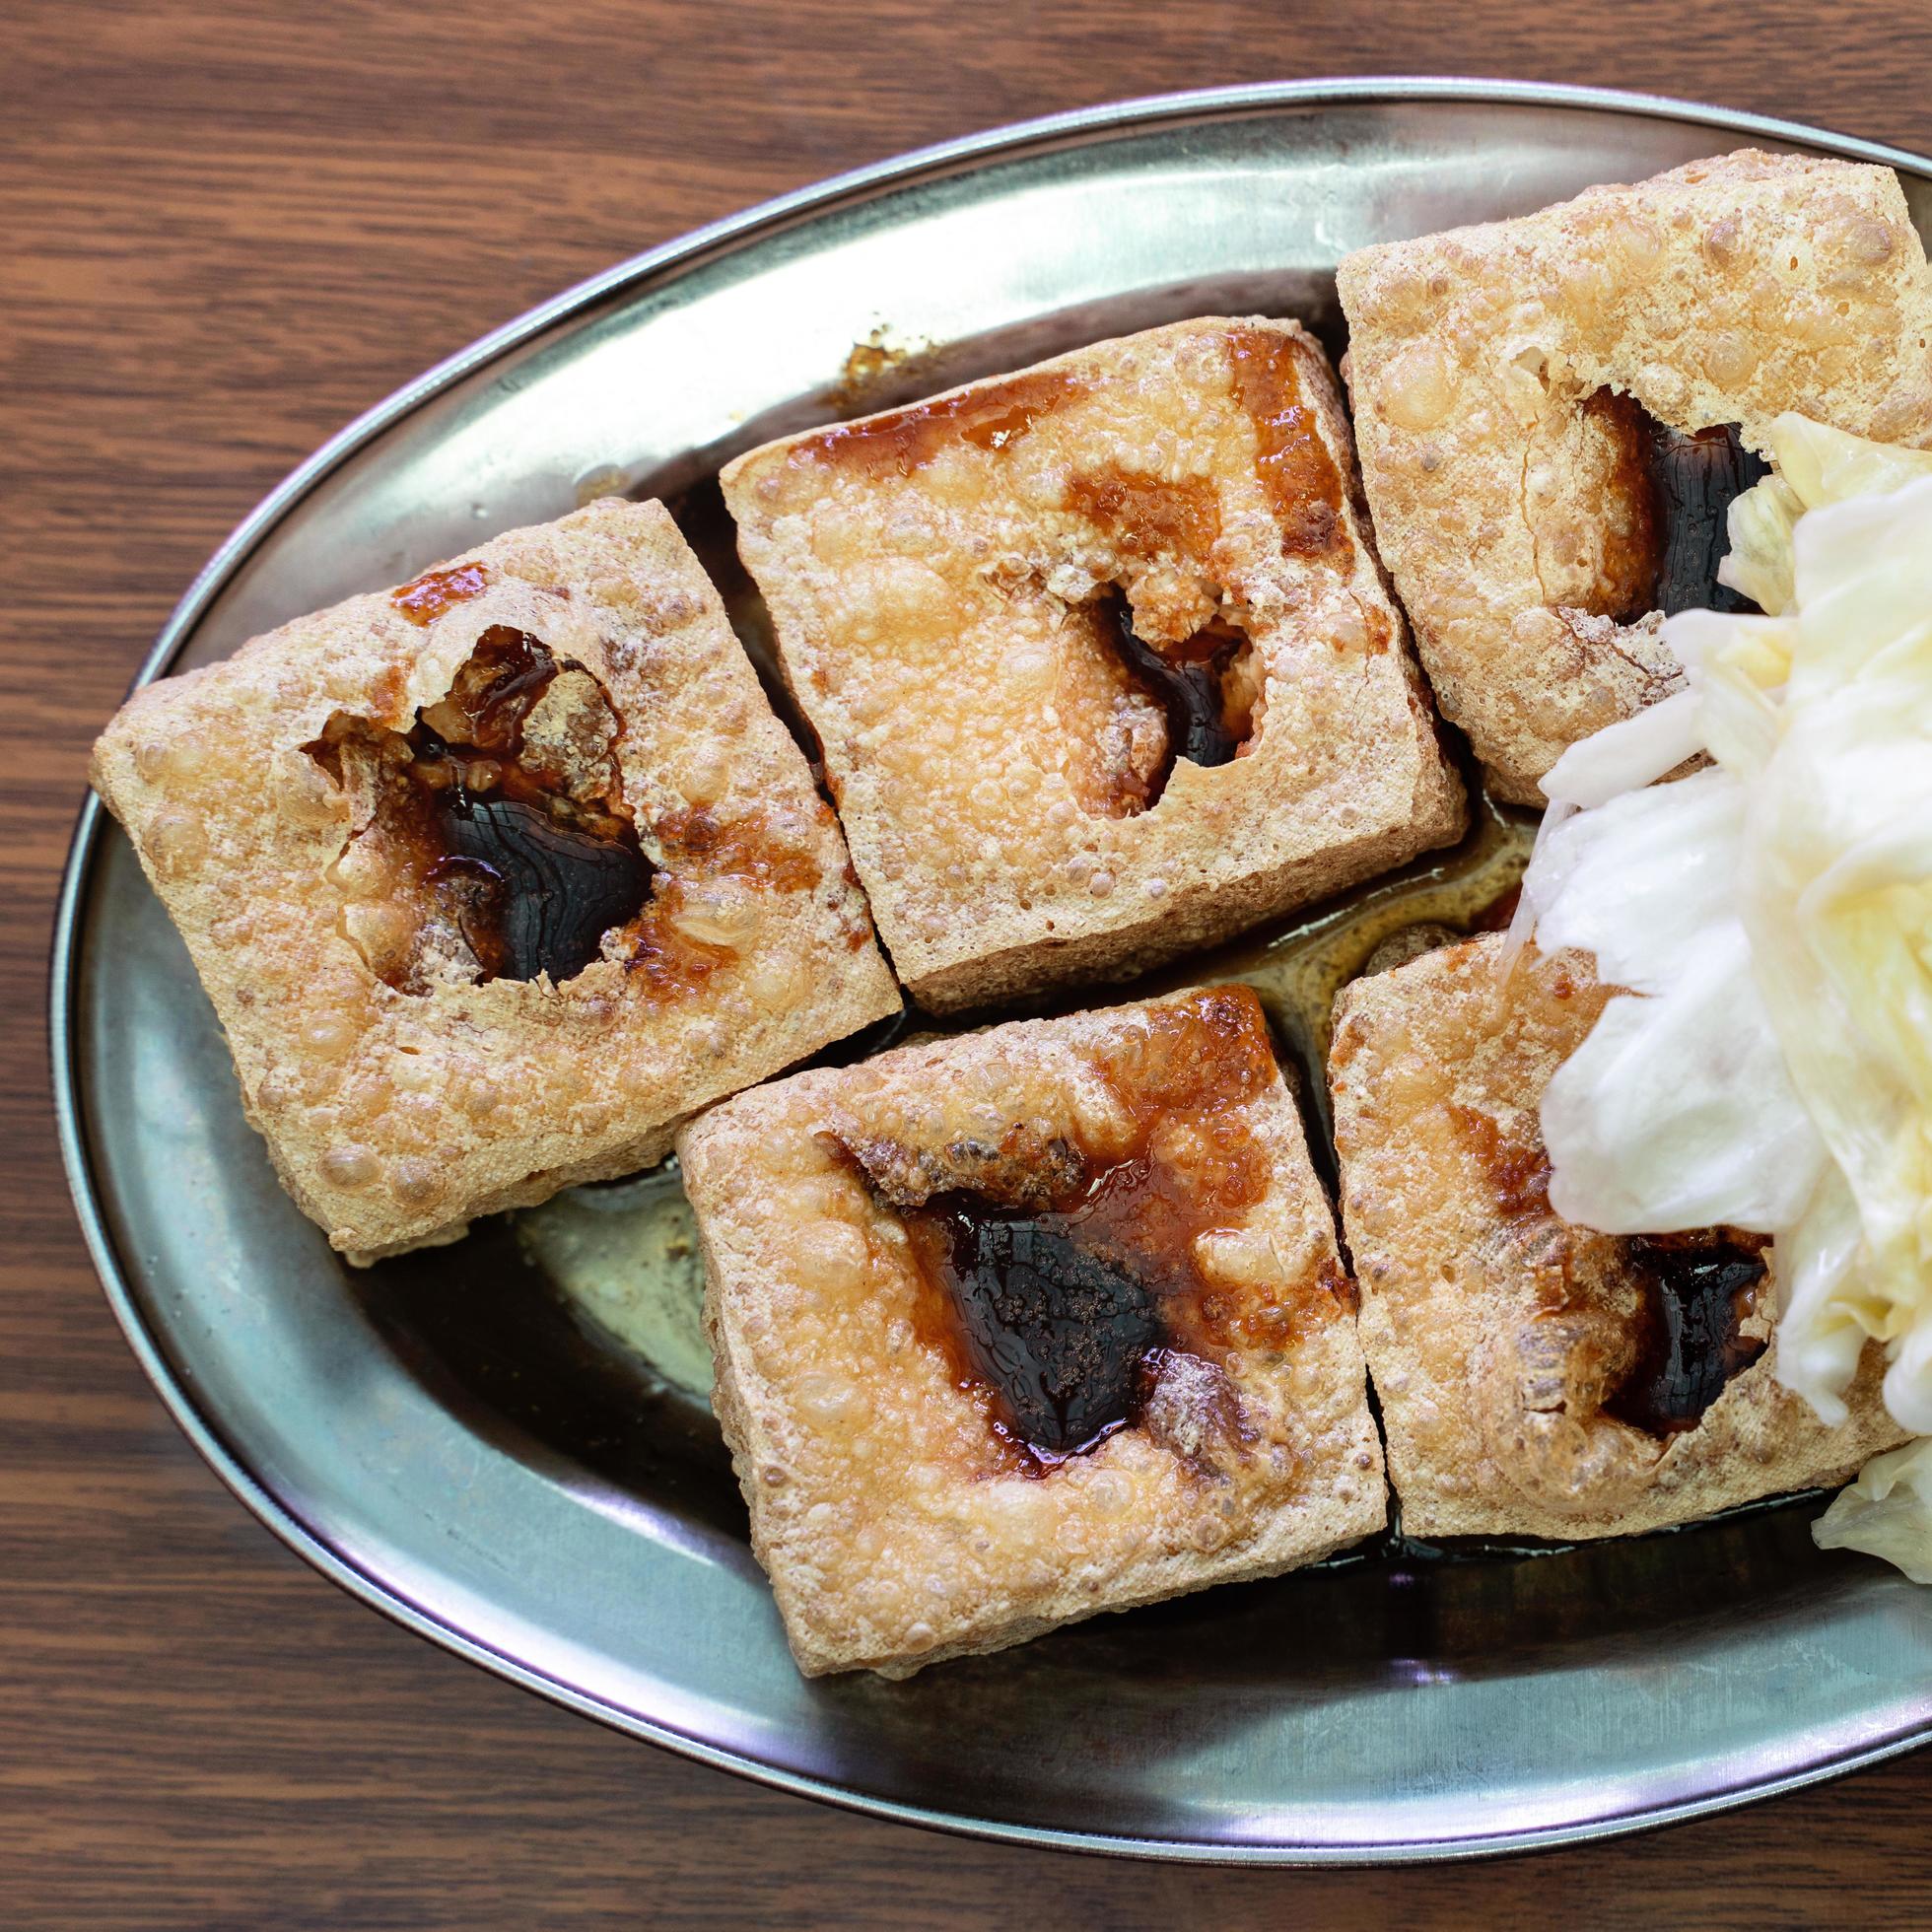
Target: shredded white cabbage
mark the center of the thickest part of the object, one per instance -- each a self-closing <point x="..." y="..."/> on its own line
<point x="1772" y="915"/>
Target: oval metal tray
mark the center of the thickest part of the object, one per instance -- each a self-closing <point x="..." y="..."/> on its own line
<point x="448" y="1450"/>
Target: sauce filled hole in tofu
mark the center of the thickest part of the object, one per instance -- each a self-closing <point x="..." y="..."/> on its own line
<point x="1209" y="689"/>
<point x="1666" y="494"/>
<point x="492" y="839"/>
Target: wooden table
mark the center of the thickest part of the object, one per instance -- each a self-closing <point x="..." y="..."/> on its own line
<point x="228" y="230"/>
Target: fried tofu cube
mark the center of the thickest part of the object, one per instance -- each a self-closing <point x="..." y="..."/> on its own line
<point x="496" y="878"/>
<point x="1022" y="1325"/>
<point x="1554" y="413"/>
<point x="1536" y="1378"/>
<point x="1100" y="656"/>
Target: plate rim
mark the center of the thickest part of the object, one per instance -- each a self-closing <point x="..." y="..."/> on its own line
<point x="204" y="1432"/>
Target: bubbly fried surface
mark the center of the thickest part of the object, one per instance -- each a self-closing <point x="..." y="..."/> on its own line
<point x="1489" y="369"/>
<point x="1500" y="1339"/>
<point x="901" y="1520"/>
<point x="404" y="1081"/>
<point x="947" y="581"/>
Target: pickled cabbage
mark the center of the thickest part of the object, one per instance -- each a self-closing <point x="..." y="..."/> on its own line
<point x="1886" y="1512"/>
<point x="1771" y="914"/>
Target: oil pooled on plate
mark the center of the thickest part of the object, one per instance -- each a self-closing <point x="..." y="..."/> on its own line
<point x="623" y="1257"/>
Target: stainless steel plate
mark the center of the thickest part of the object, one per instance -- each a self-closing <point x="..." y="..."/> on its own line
<point x="439" y="1437"/>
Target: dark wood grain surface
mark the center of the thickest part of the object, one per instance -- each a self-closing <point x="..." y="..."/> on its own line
<point x="223" y="232"/>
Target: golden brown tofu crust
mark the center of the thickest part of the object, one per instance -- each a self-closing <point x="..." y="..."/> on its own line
<point x="1492" y="1327"/>
<point x="393" y="1116"/>
<point x="897" y="1525"/>
<point x="1724" y="291"/>
<point x="938" y="578"/>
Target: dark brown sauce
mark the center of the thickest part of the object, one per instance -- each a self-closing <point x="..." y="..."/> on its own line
<point x="495" y="691"/>
<point x="1060" y="1285"/>
<point x="1207" y="720"/>
<point x="1673" y="491"/>
<point x="1516" y="1169"/>
<point x="1063" y="1336"/>
<point x="430" y="594"/>
<point x="1697" y="478"/>
<point x="991" y="417"/>
<point x="1148" y="515"/>
<point x="482" y="826"/>
<point x="699" y="841"/>
<point x="1698" y="1289"/>
<point x="1692" y="1290"/>
<point x="538" y="894"/>
<point x="668" y="960"/>
<point x="697" y="846"/>
<point x="1303" y="484"/>
<point x="871" y="366"/>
